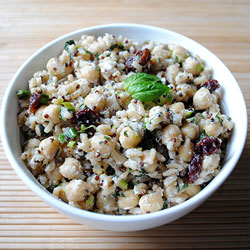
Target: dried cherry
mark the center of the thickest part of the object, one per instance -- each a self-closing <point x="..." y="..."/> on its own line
<point x="207" y="145"/>
<point x="87" y="117"/>
<point x="211" y="85"/>
<point x="194" y="168"/>
<point x="35" y="102"/>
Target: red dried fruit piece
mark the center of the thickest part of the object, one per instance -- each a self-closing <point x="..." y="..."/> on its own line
<point x="87" y="117"/>
<point x="211" y="85"/>
<point x="144" y="56"/>
<point x="34" y="102"/>
<point x="194" y="168"/>
<point x="207" y="145"/>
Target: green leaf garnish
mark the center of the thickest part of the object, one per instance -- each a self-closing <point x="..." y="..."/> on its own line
<point x="145" y="87"/>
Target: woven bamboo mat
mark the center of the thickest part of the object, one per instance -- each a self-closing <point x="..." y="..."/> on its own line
<point x="222" y="222"/>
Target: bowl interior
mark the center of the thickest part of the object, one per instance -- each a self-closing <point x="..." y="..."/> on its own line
<point x="232" y="104"/>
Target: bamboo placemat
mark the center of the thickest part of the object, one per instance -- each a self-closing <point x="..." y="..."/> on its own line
<point x="222" y="222"/>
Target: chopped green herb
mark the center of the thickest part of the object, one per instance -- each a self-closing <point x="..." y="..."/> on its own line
<point x="186" y="56"/>
<point x="158" y="59"/>
<point x="185" y="186"/>
<point x="202" y="134"/>
<point x="219" y="118"/>
<point x="41" y="129"/>
<point x="121" y="194"/>
<point x="57" y="152"/>
<point x="44" y="99"/>
<point x="139" y="148"/>
<point x="51" y="188"/>
<point x="119" y="46"/>
<point x="193" y="120"/>
<point x="123" y="184"/>
<point x="71" y="133"/>
<point x="66" y="46"/>
<point x="171" y="52"/>
<point x="176" y="59"/>
<point x="69" y="106"/>
<point x="126" y="133"/>
<point x="71" y="144"/>
<point x="88" y="52"/>
<point x="97" y="68"/>
<point x="90" y="200"/>
<point x="165" y="205"/>
<point x="61" y="138"/>
<point x="83" y="128"/>
<point x="118" y="92"/>
<point x="199" y="68"/>
<point x="60" y="115"/>
<point x="107" y="137"/>
<point x="101" y="142"/>
<point x="229" y="119"/>
<point x="60" y="101"/>
<point x="201" y="116"/>
<point x="97" y="55"/>
<point x="23" y="93"/>
<point x="189" y="113"/>
<point x="178" y="187"/>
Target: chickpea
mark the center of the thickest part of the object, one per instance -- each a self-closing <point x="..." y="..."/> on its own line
<point x="172" y="71"/>
<point x="149" y="159"/>
<point x="140" y="188"/>
<point x="190" y="65"/>
<point x="52" y="113"/>
<point x="128" y="138"/>
<point x="202" y="99"/>
<point x="96" y="101"/>
<point x="190" y="130"/>
<point x="54" y="176"/>
<point x="49" y="146"/>
<point x="151" y="203"/>
<point x="102" y="143"/>
<point x="171" y="137"/>
<point x="129" y="201"/>
<point x="192" y="190"/>
<point x="180" y="52"/>
<point x="32" y="143"/>
<point x="88" y="71"/>
<point x="186" y="150"/>
<point x="71" y="168"/>
<point x="214" y="129"/>
<point x="106" y="203"/>
<point x="77" y="190"/>
<point x="60" y="193"/>
<point x="178" y="108"/>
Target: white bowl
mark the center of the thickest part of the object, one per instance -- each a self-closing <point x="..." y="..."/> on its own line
<point x="232" y="103"/>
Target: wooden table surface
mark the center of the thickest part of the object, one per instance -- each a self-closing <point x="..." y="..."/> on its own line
<point x="223" y="221"/>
